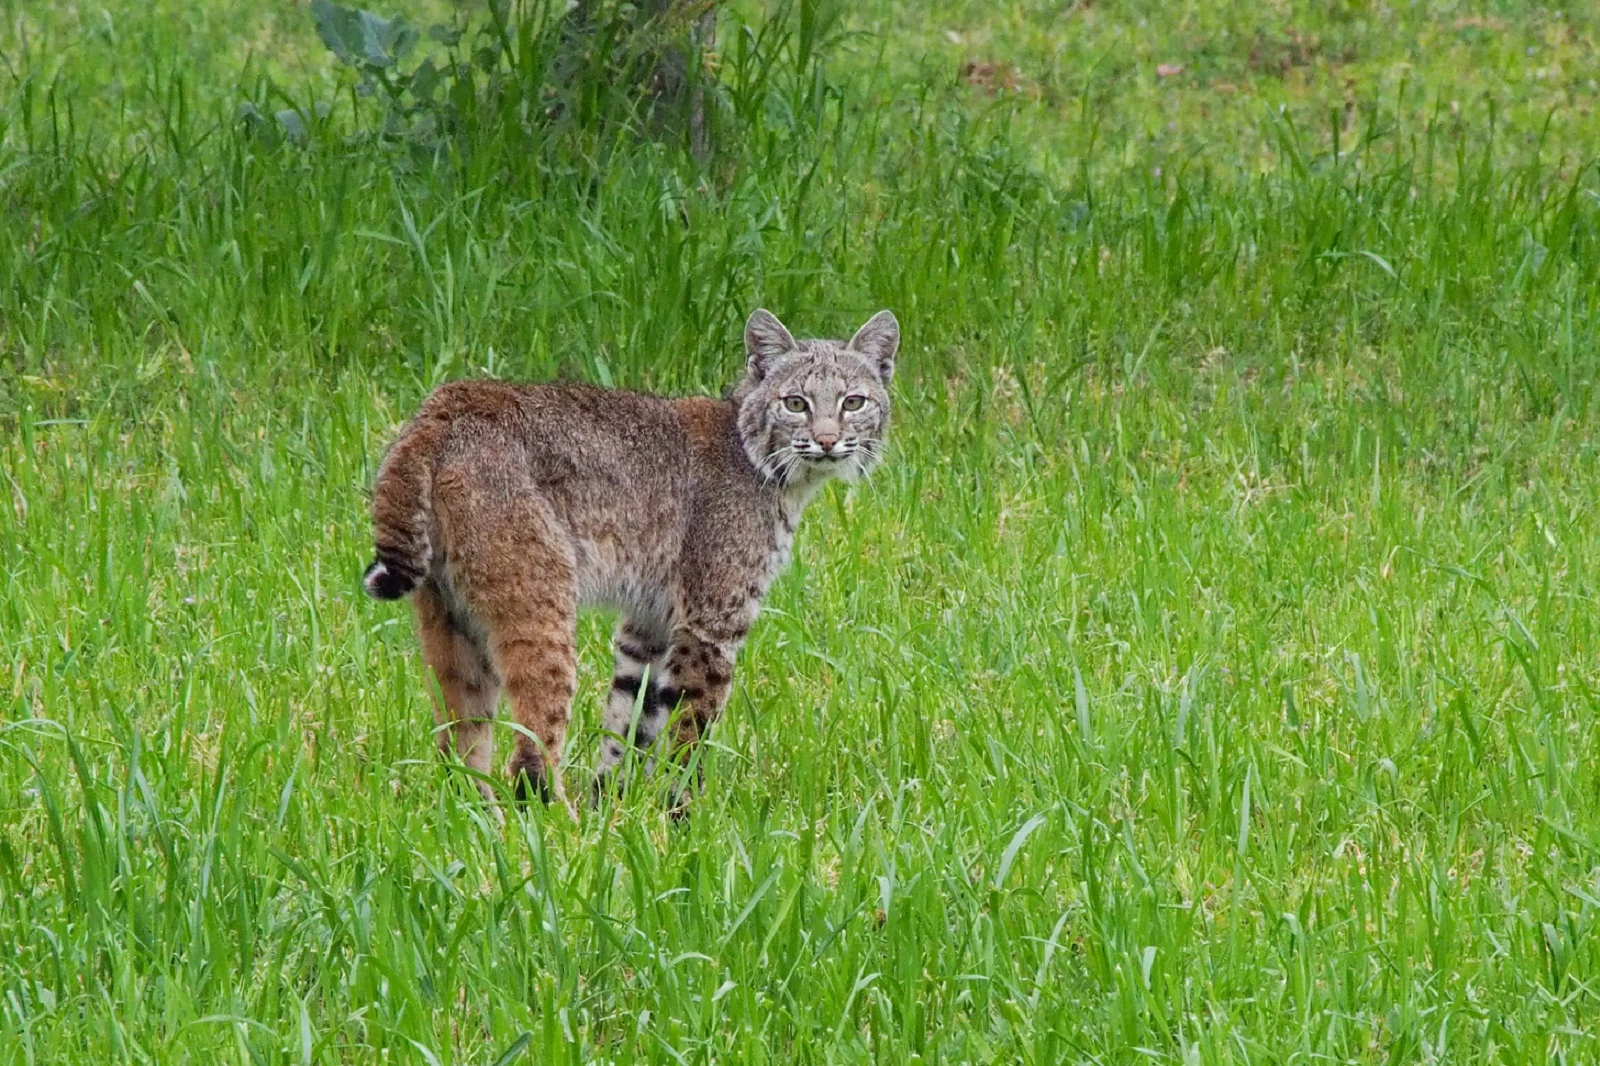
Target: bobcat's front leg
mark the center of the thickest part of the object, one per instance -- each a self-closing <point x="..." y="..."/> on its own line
<point x="641" y="650"/>
<point x="698" y="677"/>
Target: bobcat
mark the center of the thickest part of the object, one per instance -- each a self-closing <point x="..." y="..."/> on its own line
<point x="505" y="508"/>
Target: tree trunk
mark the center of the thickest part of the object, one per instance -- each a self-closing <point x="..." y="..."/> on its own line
<point x="703" y="41"/>
<point x="674" y="83"/>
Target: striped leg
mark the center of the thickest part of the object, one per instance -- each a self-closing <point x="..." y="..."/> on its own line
<point x="639" y="652"/>
<point x="700" y="674"/>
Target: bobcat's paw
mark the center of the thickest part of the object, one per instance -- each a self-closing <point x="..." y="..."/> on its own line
<point x="528" y="779"/>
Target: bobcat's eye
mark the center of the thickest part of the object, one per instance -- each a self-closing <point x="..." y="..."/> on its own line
<point x="854" y="403"/>
<point x="795" y="404"/>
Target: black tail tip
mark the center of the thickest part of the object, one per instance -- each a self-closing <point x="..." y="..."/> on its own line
<point x="385" y="582"/>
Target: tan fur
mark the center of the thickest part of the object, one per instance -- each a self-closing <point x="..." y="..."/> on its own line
<point x="506" y="508"/>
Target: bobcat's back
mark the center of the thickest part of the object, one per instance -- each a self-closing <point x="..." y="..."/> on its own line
<point x="619" y="472"/>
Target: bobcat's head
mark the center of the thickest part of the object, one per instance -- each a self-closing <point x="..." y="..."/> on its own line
<point x="813" y="409"/>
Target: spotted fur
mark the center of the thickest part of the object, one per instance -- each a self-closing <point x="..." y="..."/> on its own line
<point x="506" y="508"/>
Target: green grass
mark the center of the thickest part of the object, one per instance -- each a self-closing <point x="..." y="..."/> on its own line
<point x="1210" y="674"/>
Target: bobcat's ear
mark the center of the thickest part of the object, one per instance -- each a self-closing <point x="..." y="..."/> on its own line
<point x="878" y="340"/>
<point x="765" y="342"/>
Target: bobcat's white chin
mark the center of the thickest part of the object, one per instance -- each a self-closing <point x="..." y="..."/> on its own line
<point x="849" y="467"/>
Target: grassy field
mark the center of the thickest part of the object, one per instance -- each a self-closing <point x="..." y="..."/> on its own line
<point x="1208" y="676"/>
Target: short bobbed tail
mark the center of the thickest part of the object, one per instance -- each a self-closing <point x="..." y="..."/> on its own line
<point x="402" y="512"/>
<point x="383" y="582"/>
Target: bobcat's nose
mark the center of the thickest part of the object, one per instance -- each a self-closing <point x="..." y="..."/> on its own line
<point x="826" y="441"/>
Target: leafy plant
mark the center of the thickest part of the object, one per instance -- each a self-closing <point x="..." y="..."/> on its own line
<point x="529" y="66"/>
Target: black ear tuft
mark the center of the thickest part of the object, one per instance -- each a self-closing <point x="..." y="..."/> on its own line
<point x="765" y="342"/>
<point x="878" y="340"/>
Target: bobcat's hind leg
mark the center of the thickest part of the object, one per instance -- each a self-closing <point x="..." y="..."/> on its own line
<point x="512" y="567"/>
<point x="532" y="644"/>
<point x="640" y="648"/>
<point x="468" y="687"/>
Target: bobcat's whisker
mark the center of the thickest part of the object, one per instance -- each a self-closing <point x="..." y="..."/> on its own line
<point x="786" y="467"/>
<point x="775" y="467"/>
